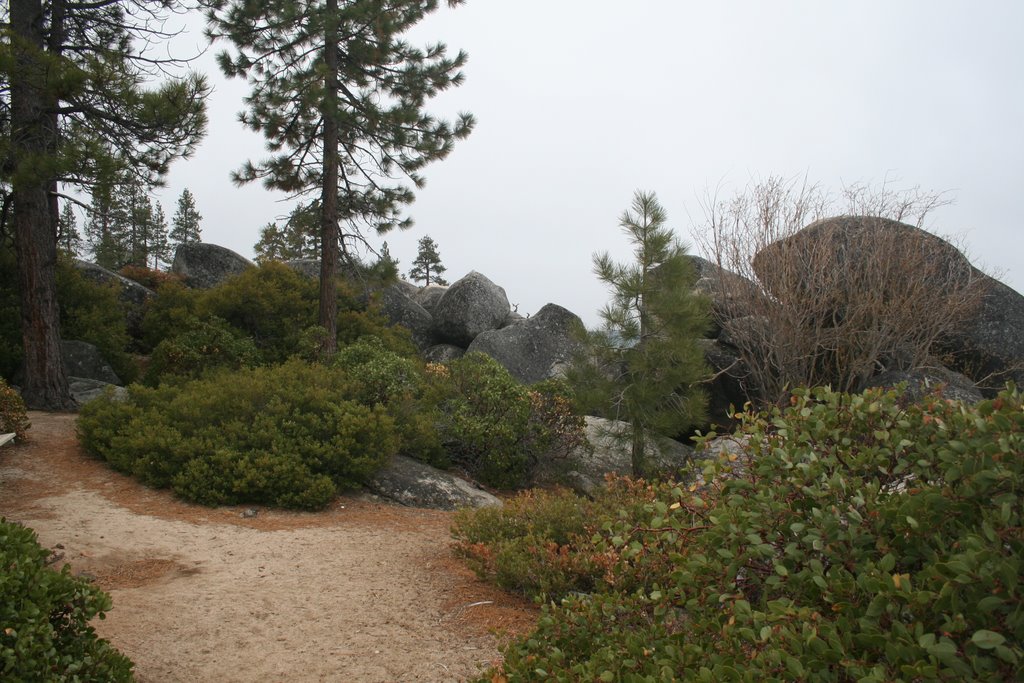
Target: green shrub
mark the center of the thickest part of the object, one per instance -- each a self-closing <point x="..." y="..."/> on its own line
<point x="169" y="312"/>
<point x="271" y="303"/>
<point x="202" y="346"/>
<point x="44" y="618"/>
<point x="539" y="542"/>
<point x="13" y="417"/>
<point x="857" y="540"/>
<point x="150" y="278"/>
<point x="287" y="436"/>
<point x="496" y="428"/>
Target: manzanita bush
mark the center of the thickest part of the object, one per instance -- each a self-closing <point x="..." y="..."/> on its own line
<point x="856" y="539"/>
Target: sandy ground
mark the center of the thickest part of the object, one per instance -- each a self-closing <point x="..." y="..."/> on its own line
<point x="364" y="591"/>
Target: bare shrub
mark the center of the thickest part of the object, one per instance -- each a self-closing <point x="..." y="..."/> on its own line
<point x="832" y="301"/>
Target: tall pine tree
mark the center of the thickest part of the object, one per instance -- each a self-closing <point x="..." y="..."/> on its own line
<point x="340" y="95"/>
<point x="644" y="365"/>
<point x="185" y="224"/>
<point x="77" y="87"/>
<point x="69" y="240"/>
<point x="427" y="264"/>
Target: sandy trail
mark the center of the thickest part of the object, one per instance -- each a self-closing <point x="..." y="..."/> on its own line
<point x="364" y="591"/>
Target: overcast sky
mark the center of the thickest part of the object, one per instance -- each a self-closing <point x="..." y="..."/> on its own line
<point x="581" y="102"/>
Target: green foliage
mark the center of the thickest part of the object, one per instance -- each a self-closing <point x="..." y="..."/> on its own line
<point x="201" y="346"/>
<point x="271" y="303"/>
<point x="169" y="312"/>
<point x="91" y="312"/>
<point x="644" y="365"/>
<point x="855" y="540"/>
<point x="185" y="224"/>
<point x="13" y="417"/>
<point x="44" y="618"/>
<point x="288" y="436"/>
<point x="496" y="428"/>
<point x="148" y="277"/>
<point x="539" y="542"/>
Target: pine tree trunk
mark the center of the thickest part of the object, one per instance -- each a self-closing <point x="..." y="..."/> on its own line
<point x="329" y="196"/>
<point x="45" y="384"/>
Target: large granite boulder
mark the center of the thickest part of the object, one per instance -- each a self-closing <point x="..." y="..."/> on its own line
<point x="131" y="294"/>
<point x="416" y="484"/>
<point x="82" y="359"/>
<point x="471" y="306"/>
<point x="535" y="349"/>
<point x="307" y="267"/>
<point x="950" y="385"/>
<point x="611" y="453"/>
<point x="204" y="266"/>
<point x="443" y="353"/>
<point x="399" y="309"/>
<point x="85" y="390"/>
<point x="731" y="295"/>
<point x="428" y="296"/>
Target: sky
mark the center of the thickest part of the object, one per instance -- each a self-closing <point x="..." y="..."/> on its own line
<point x="580" y="103"/>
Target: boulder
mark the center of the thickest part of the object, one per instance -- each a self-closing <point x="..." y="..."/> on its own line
<point x="407" y="288"/>
<point x="535" y="349"/>
<point x="416" y="484"/>
<point x="472" y="305"/>
<point x="428" y="296"/>
<point x="131" y="294"/>
<point x="731" y="295"/>
<point x="82" y="359"/>
<point x="398" y="309"/>
<point x="307" y="267"/>
<point x="84" y="390"/>
<point x="610" y="453"/>
<point x="512" y="318"/>
<point x="950" y="385"/>
<point x="443" y="353"/>
<point x="204" y="266"/>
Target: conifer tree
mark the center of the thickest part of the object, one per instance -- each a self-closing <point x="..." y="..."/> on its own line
<point x="427" y="264"/>
<point x="76" y="89"/>
<point x="160" y="246"/>
<point x="297" y="238"/>
<point x="339" y="95"/>
<point x="69" y="239"/>
<point x="643" y="366"/>
<point x="185" y="228"/>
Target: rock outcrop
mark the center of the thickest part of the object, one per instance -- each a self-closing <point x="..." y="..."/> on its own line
<point x="203" y="266"/>
<point x="399" y="309"/>
<point x="82" y="359"/>
<point x="535" y="349"/>
<point x="951" y="385"/>
<point x="471" y="306"/>
<point x="413" y="483"/>
<point x="428" y="296"/>
<point x="131" y="294"/>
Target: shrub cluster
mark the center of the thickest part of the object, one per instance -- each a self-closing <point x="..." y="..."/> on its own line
<point x="45" y="614"/>
<point x="288" y="436"/>
<point x="496" y="428"/>
<point x="13" y="417"/>
<point x="855" y="539"/>
<point x="199" y="347"/>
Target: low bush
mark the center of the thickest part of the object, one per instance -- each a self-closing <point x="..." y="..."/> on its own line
<point x="496" y="428"/>
<point x="288" y="436"/>
<point x="168" y="313"/>
<point x="855" y="540"/>
<point x="13" y="417"/>
<point x="44" y="618"/>
<point x="539" y="543"/>
<point x="201" y="346"/>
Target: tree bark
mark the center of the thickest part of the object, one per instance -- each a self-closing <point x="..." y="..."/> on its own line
<point x="329" y="197"/>
<point x="32" y="144"/>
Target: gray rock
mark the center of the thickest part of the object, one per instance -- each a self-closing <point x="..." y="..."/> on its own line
<point x="407" y="288"/>
<point x="443" y="353"/>
<point x="727" y="391"/>
<point x="731" y="295"/>
<point x="84" y="390"/>
<point x="307" y="267"/>
<point x="951" y="385"/>
<point x="512" y="318"/>
<point x="416" y="484"/>
<point x="472" y="305"/>
<point x="535" y="349"/>
<point x="399" y="309"/>
<point x="82" y="359"/>
<point x="610" y="453"/>
<point x="428" y="296"/>
<point x="203" y="266"/>
<point x="131" y="294"/>
<point x="746" y="332"/>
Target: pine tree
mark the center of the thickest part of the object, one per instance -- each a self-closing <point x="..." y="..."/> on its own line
<point x="297" y="238"/>
<point x="642" y="367"/>
<point x="107" y="226"/>
<point x="427" y="264"/>
<point x="69" y="240"/>
<point x="339" y="95"/>
<point x="159" y="246"/>
<point x="185" y="228"/>
<point x="138" y="229"/>
<point x="75" y="78"/>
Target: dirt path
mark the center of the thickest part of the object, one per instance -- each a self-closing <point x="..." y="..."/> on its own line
<point x="364" y="591"/>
